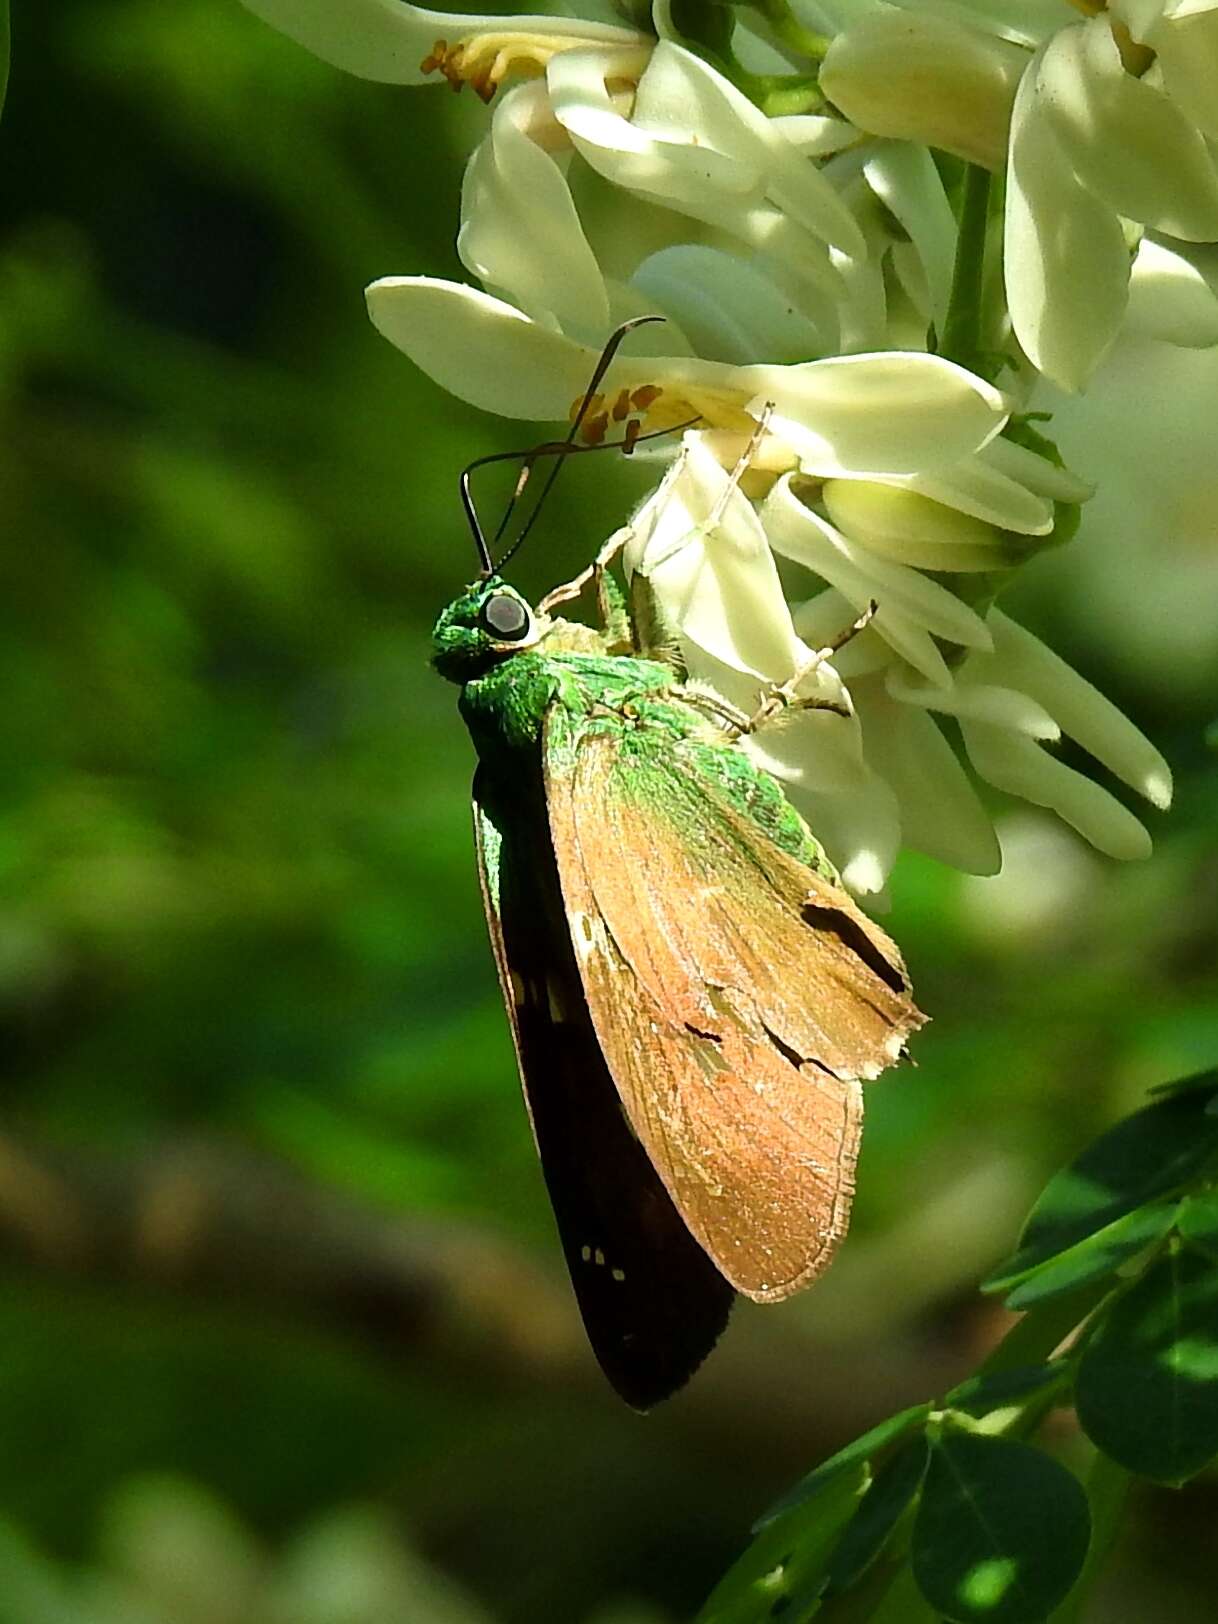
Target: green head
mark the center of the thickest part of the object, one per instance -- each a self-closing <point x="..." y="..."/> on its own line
<point x="486" y="624"/>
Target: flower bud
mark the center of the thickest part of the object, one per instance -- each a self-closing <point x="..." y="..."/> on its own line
<point x="918" y="77"/>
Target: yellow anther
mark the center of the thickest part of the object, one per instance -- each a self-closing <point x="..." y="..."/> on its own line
<point x="589" y="403"/>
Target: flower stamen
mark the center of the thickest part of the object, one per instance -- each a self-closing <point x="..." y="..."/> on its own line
<point x="484" y="61"/>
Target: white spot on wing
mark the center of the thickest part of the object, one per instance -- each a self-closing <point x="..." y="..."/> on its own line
<point x="588" y="934"/>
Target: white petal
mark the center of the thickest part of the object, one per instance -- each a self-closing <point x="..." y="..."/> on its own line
<point x="941" y="813"/>
<point x="863" y="303"/>
<point x="1082" y="711"/>
<point x="890" y="413"/>
<point x="682" y="99"/>
<point x="1127" y="141"/>
<point x="901" y="525"/>
<point x="1021" y="767"/>
<point x="695" y="143"/>
<point x="479" y="348"/>
<point x="1174" y="10"/>
<point x="814" y="135"/>
<point x="895" y="631"/>
<point x="388" y="41"/>
<point x="519" y="228"/>
<point x="1139" y="16"/>
<point x="921" y="77"/>
<point x="984" y="702"/>
<point x="1187" y="49"/>
<point x="1024" y="22"/>
<point x="1065" y="259"/>
<point x="1173" y="295"/>
<point x="861" y="831"/>
<point x="727" y="307"/>
<point x="906" y="181"/>
<point x="848" y="807"/>
<point x="822" y="620"/>
<point x="974" y="487"/>
<point x="865" y="408"/>
<point x="679" y="173"/>
<point x="488" y="353"/>
<point x="718" y="586"/>
<point x="1036" y="473"/>
<point x="798" y="533"/>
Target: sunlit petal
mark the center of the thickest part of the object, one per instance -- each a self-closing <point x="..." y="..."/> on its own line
<point x="901" y="525"/>
<point x="1065" y="259"/>
<point x="682" y="99"/>
<point x="894" y="413"/>
<point x="984" y="702"/>
<point x="520" y="231"/>
<point x="906" y="181"/>
<point x="1127" y="141"/>
<point x="1018" y="765"/>
<point x="798" y="533"/>
<point x="728" y="308"/>
<point x="941" y="813"/>
<point x="1173" y="294"/>
<point x="700" y="544"/>
<point x="1187" y="49"/>
<point x="388" y="40"/>
<point x="926" y="78"/>
<point x="1080" y="709"/>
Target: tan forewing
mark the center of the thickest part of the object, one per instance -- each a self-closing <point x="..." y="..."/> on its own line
<point x="739" y="998"/>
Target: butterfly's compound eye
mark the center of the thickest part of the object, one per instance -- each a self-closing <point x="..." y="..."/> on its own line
<point x="505" y="618"/>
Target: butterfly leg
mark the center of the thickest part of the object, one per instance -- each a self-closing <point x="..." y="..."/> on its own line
<point x="615" y="620"/>
<point x="783" y="697"/>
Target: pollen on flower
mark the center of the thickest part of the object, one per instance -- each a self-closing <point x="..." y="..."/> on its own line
<point x="484" y="61"/>
<point x="629" y="407"/>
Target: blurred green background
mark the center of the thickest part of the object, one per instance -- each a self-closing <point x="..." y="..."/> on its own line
<point x="284" y="1336"/>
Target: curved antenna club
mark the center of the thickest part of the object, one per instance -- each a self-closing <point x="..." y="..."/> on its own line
<point x="559" y="449"/>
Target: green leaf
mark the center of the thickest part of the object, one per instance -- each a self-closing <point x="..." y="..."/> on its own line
<point x="980" y="1395"/>
<point x="4" y="51"/>
<point x="1035" y="1335"/>
<point x="1001" y="1533"/>
<point x="1200" y="1082"/>
<point x="1146" y="1387"/>
<point x="854" y="1454"/>
<point x="1198" y="1221"/>
<point x="878" y="1513"/>
<point x="1146" y="1156"/>
<point x="787" y="1561"/>
<point x="1097" y="1256"/>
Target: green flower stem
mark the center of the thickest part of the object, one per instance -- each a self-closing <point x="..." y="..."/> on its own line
<point x="788" y="29"/>
<point x="778" y="93"/>
<point x="708" y="29"/>
<point x="960" y="340"/>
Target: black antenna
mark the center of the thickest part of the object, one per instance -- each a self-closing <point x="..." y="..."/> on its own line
<point x="559" y="449"/>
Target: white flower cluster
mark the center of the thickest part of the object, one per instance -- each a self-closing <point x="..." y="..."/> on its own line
<point x="778" y="189"/>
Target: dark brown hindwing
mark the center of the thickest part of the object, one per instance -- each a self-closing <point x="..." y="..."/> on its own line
<point x="653" y="1303"/>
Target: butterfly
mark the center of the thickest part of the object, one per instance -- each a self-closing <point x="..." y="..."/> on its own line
<point x="695" y="1000"/>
